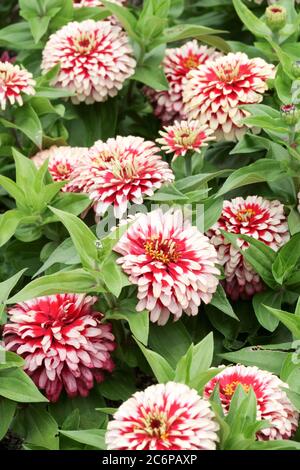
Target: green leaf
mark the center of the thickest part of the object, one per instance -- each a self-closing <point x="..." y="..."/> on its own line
<point x="294" y="221"/>
<point x="221" y="302"/>
<point x="272" y="299"/>
<point x="160" y="367"/>
<point x="193" y="182"/>
<point x="7" y="411"/>
<point x="83" y="238"/>
<point x="185" y="31"/>
<point x="172" y="341"/>
<point x="275" y="445"/>
<point x="254" y="24"/>
<point x="74" y="203"/>
<point x="262" y="358"/>
<point x="138" y="321"/>
<point x="41" y="428"/>
<point x="90" y="437"/>
<point x="182" y="372"/>
<point x="261" y="170"/>
<point x="290" y="320"/>
<point x="212" y="211"/>
<point x="193" y="368"/>
<point x="78" y="280"/>
<point x="120" y="385"/>
<point x="259" y="255"/>
<point x="6" y="287"/>
<point x="113" y="276"/>
<point x="126" y="18"/>
<point x="13" y="189"/>
<point x="9" y="221"/>
<point x="65" y="253"/>
<point x="169" y="193"/>
<point x="16" y="385"/>
<point x="266" y="122"/>
<point x="152" y="77"/>
<point x="27" y="121"/>
<point x="9" y="360"/>
<point x="286" y="259"/>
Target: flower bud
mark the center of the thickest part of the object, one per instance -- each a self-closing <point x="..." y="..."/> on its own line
<point x="290" y="114"/>
<point x="276" y="17"/>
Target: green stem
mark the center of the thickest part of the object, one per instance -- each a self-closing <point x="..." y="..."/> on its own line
<point x="188" y="163"/>
<point x="109" y="300"/>
<point x="292" y="134"/>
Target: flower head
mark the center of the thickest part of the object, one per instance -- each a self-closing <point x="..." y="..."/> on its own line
<point x="276" y="16"/>
<point x="168" y="416"/>
<point x="14" y="82"/>
<point x="178" y="62"/>
<point x="121" y="170"/>
<point x="290" y="114"/>
<point x="62" y="162"/>
<point x="63" y="342"/>
<point x="171" y="262"/>
<point x="95" y="59"/>
<point x="273" y="404"/>
<point x="184" y="136"/>
<point x="214" y="91"/>
<point x="258" y="218"/>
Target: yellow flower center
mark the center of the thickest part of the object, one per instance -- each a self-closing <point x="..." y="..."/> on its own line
<point x="228" y="73"/>
<point x="162" y="250"/>
<point x="185" y="137"/>
<point x="244" y="215"/>
<point x="62" y="169"/>
<point x="84" y="43"/>
<point x="155" y="424"/>
<point x="230" y="388"/>
<point x="191" y="62"/>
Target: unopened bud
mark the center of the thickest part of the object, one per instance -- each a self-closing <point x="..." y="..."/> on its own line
<point x="276" y="17"/>
<point x="290" y="114"/>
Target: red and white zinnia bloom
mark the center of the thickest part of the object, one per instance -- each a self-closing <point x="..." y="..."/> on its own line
<point x="121" y="171"/>
<point x="214" y="91"/>
<point x="168" y="416"/>
<point x="95" y="59"/>
<point x="63" y="342"/>
<point x="178" y="62"/>
<point x="273" y="403"/>
<point x="171" y="262"/>
<point x="14" y="82"/>
<point x="258" y="218"/>
<point x="62" y="162"/>
<point x="184" y="136"/>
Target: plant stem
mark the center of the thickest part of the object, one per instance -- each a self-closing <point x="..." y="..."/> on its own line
<point x="188" y="163"/>
<point x="109" y="300"/>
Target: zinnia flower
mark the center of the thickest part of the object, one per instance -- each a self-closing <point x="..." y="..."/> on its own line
<point x="120" y="171"/>
<point x="214" y="91"/>
<point x="95" y="59"/>
<point x="184" y="136"/>
<point x="273" y="404"/>
<point x="63" y="342"/>
<point x="14" y="82"/>
<point x="258" y="218"/>
<point x="171" y="262"/>
<point x="178" y="62"/>
<point x="168" y="416"/>
<point x="62" y="162"/>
